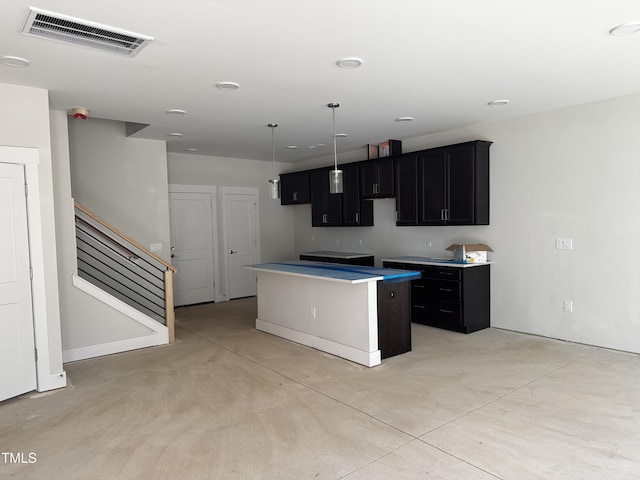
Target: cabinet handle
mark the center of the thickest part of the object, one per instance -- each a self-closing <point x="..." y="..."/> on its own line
<point x="396" y="215"/>
<point x="324" y="218"/>
<point x="446" y="290"/>
<point x="442" y="310"/>
<point x="295" y="195"/>
<point x="446" y="214"/>
<point x="415" y="285"/>
<point x="419" y="306"/>
<point x="442" y="214"/>
<point x="357" y="217"/>
<point x="446" y="273"/>
<point x="375" y="188"/>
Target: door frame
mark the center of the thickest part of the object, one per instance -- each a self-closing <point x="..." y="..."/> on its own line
<point x="30" y="159"/>
<point x="225" y="242"/>
<point x="212" y="190"/>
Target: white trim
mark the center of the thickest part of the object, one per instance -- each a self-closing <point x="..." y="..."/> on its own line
<point x="368" y="359"/>
<point x="159" y="335"/>
<point x="224" y="191"/>
<point x="212" y="190"/>
<point x="30" y="158"/>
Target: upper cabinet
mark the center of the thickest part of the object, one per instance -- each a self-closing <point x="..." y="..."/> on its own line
<point x="376" y="178"/>
<point x="438" y="186"/>
<point x="294" y="188"/>
<point x="356" y="212"/>
<point x="326" y="208"/>
<point x="453" y="185"/>
<point x="339" y="209"/>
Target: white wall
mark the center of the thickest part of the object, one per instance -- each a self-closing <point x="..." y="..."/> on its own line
<point x="123" y="180"/>
<point x="276" y="222"/>
<point x="571" y="173"/>
<point x="24" y="122"/>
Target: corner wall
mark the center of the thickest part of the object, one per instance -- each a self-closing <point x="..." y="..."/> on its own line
<point x="25" y="123"/>
<point x="571" y="173"/>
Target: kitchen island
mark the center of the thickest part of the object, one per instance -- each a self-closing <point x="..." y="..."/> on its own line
<point x="355" y="312"/>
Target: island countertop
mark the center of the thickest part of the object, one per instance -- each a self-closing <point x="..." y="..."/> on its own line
<point x="339" y="273"/>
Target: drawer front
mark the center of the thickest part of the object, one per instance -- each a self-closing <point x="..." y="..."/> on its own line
<point x="444" y="273"/>
<point x="437" y="314"/>
<point x="442" y="290"/>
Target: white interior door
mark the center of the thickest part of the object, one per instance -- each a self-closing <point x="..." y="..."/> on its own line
<point x="17" y="350"/>
<point x="192" y="247"/>
<point x="241" y="239"/>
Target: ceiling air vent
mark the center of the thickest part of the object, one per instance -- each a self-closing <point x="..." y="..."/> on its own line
<point x="54" y="26"/>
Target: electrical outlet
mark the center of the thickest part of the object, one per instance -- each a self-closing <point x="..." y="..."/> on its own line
<point x="564" y="243"/>
<point x="427" y="244"/>
<point x="155" y="247"/>
<point x="568" y="306"/>
<point x="312" y="312"/>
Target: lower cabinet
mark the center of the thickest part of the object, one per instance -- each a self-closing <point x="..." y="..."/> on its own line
<point x="454" y="298"/>
<point x="394" y="318"/>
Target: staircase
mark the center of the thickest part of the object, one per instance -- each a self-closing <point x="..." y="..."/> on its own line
<point x="123" y="268"/>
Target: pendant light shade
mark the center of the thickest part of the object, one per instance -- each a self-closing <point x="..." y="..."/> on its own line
<point x="335" y="175"/>
<point x="274" y="190"/>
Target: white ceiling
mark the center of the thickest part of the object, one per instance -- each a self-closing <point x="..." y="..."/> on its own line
<point x="438" y="61"/>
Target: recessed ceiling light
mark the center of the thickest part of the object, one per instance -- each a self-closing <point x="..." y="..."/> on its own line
<point x="14" y="61"/>
<point x="291" y="147"/>
<point x="176" y="111"/>
<point x="496" y="103"/>
<point x="350" y="62"/>
<point x="175" y="134"/>
<point x="190" y="149"/>
<point x="625" y="29"/>
<point x="228" y="86"/>
<point x="404" y="119"/>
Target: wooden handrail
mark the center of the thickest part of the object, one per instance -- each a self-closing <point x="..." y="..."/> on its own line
<point x="125" y="237"/>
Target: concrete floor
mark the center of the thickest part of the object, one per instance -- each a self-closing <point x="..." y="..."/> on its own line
<point x="228" y="402"/>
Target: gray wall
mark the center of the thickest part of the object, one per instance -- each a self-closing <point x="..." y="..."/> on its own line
<point x="123" y="180"/>
<point x="85" y="320"/>
<point x="571" y="173"/>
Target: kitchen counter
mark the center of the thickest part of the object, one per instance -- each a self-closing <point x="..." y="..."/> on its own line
<point x="438" y="262"/>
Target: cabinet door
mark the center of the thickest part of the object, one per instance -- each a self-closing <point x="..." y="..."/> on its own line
<point x="326" y="208"/>
<point x="294" y="188"/>
<point x="433" y="193"/>
<point x="368" y="179"/>
<point x="355" y="211"/>
<point x="460" y="191"/>
<point x="406" y="175"/>
<point x="376" y="178"/>
<point x="385" y="178"/>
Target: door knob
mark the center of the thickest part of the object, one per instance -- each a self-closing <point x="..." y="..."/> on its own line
<point x="231" y="252"/>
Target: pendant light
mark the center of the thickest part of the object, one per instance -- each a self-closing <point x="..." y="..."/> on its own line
<point x="275" y="181"/>
<point x="335" y="175"/>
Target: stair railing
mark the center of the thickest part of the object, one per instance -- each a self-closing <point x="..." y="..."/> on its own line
<point x="124" y="268"/>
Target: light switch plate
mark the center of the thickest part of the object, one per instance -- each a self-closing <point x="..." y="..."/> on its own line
<point x="564" y="243"/>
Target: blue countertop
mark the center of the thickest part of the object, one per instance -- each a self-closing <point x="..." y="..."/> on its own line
<point x="433" y="261"/>
<point x="332" y="271"/>
<point x="331" y="253"/>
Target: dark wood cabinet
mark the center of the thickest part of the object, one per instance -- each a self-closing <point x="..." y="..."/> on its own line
<point x="295" y="188"/>
<point x="406" y="175"/>
<point x="453" y="298"/>
<point x="394" y="318"/>
<point x="376" y="178"/>
<point x="326" y="208"/>
<point x="356" y="212"/>
<point x="453" y="185"/>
